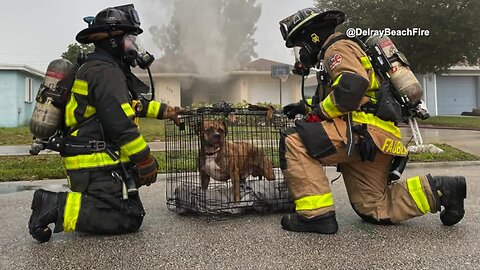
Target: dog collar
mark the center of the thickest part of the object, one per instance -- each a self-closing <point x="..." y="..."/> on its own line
<point x="212" y="153"/>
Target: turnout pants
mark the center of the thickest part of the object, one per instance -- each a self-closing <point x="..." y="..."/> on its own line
<point x="366" y="182"/>
<point x="100" y="207"/>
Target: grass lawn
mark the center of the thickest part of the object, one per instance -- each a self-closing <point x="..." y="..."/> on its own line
<point x="19" y="168"/>
<point x="154" y="130"/>
<point x="452" y="121"/>
<point x="17" y="135"/>
<point x="449" y="154"/>
<point x="151" y="129"/>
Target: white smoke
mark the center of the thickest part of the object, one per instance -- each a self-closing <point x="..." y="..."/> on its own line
<point x="200" y="33"/>
<point x="200" y="36"/>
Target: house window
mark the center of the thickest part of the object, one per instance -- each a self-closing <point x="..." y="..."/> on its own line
<point x="29" y="90"/>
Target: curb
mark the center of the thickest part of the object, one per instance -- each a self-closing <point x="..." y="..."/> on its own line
<point x="443" y="164"/>
<point x="440" y="127"/>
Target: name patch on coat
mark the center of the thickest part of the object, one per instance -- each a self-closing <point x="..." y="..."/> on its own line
<point x="394" y="147"/>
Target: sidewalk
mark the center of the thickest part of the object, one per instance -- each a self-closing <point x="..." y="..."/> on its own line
<point x="465" y="140"/>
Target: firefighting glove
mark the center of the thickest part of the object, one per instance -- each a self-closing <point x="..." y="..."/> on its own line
<point x="292" y="109"/>
<point x="147" y="170"/>
<point x="368" y="149"/>
<point x="172" y="114"/>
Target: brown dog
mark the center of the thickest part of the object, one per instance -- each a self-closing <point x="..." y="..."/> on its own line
<point x="223" y="160"/>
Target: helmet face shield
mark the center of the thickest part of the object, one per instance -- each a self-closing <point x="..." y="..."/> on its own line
<point x="130" y="44"/>
<point x="135" y="54"/>
<point x="296" y="52"/>
<point x="284" y="29"/>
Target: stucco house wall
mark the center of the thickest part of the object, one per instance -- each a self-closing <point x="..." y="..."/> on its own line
<point x="15" y="107"/>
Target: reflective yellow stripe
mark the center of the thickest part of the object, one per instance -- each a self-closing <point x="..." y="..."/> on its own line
<point x="91" y="161"/>
<point x="337" y="80"/>
<point x="127" y="109"/>
<point x="89" y="111"/>
<point x="70" y="120"/>
<point x="329" y="108"/>
<point x="153" y="108"/>
<point x="72" y="208"/>
<point x="80" y="87"/>
<point x="374" y="84"/>
<point x="415" y="189"/>
<point x="368" y="118"/>
<point x="314" y="202"/>
<point x="134" y="146"/>
<point x="75" y="133"/>
<point x="309" y="101"/>
<point x="366" y="64"/>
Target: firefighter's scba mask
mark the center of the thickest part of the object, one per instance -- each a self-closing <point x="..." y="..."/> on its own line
<point x="303" y="62"/>
<point x="135" y="54"/>
<point x="306" y="56"/>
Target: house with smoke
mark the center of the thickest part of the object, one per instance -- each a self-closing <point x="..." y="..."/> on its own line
<point x="252" y="83"/>
<point x="454" y="92"/>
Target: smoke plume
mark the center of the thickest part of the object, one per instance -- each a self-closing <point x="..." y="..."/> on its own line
<point x="208" y="37"/>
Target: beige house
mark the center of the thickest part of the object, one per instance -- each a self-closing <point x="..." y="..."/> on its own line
<point x="251" y="83"/>
<point x="454" y="92"/>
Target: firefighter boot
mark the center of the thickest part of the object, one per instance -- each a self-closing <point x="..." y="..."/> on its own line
<point x="325" y="224"/>
<point x="449" y="192"/>
<point x="44" y="212"/>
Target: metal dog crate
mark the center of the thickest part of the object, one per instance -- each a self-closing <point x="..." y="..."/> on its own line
<point x="184" y="192"/>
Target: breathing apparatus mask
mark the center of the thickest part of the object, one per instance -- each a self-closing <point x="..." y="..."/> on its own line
<point x="134" y="53"/>
<point x="308" y="47"/>
<point x="308" y="29"/>
<point x="305" y="59"/>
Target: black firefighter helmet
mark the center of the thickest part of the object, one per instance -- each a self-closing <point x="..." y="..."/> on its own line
<point x="297" y="28"/>
<point x="122" y="19"/>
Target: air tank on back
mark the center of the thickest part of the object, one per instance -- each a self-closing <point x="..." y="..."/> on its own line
<point x="47" y="115"/>
<point x="401" y="75"/>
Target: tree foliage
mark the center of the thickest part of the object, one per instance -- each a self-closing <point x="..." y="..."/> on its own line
<point x="209" y="35"/>
<point x="454" y="31"/>
<point x="74" y="50"/>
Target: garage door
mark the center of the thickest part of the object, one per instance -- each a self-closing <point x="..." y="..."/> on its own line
<point x="456" y="94"/>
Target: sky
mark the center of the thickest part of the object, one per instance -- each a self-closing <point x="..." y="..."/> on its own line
<point x="37" y="32"/>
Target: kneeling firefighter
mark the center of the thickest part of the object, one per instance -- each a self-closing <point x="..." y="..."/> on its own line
<point x="103" y="149"/>
<point x="348" y="125"/>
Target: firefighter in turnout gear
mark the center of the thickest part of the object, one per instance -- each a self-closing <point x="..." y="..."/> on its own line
<point x="345" y="127"/>
<point x="103" y="151"/>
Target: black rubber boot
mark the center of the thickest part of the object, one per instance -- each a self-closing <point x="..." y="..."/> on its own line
<point x="449" y="191"/>
<point x="44" y="212"/>
<point x="325" y="224"/>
